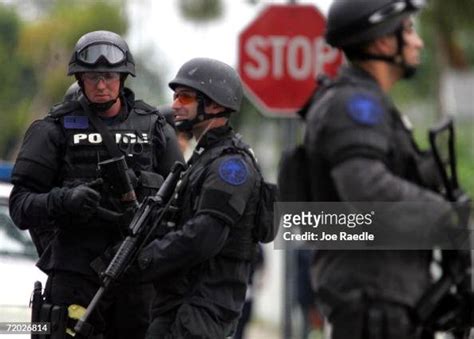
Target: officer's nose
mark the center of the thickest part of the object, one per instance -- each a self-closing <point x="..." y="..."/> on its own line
<point x="101" y="83"/>
<point x="419" y="42"/>
<point x="176" y="104"/>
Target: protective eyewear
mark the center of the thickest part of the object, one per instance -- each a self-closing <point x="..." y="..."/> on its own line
<point x="112" y="54"/>
<point x="184" y="97"/>
<point x="94" y="77"/>
<point x="395" y="8"/>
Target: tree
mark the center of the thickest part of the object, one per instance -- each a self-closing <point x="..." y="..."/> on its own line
<point x="200" y="11"/>
<point x="17" y="79"/>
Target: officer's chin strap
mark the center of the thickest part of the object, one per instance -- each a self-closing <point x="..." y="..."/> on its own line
<point x="208" y="127"/>
<point x="396" y="59"/>
<point x="102" y="106"/>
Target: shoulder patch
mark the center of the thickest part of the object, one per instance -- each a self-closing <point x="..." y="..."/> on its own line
<point x="76" y="122"/>
<point x="364" y="109"/>
<point x="233" y="171"/>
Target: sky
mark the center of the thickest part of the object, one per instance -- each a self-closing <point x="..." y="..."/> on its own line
<point x="156" y="26"/>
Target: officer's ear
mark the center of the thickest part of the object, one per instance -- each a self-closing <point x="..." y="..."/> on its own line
<point x="214" y="108"/>
<point x="385" y="45"/>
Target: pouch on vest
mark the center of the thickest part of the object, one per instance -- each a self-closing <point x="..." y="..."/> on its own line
<point x="293" y="176"/>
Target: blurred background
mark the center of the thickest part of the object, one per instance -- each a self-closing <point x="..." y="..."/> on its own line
<point x="37" y="38"/>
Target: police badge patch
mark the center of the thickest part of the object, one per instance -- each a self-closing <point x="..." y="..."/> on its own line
<point x="365" y="109"/>
<point x="76" y="122"/>
<point x="233" y="171"/>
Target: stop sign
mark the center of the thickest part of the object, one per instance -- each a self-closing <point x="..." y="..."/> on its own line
<point x="280" y="55"/>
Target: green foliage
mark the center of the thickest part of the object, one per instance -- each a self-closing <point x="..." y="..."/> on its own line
<point x="465" y="154"/>
<point x="9" y="28"/>
<point x="16" y="75"/>
<point x="465" y="39"/>
<point x="200" y="11"/>
<point x="464" y="151"/>
<point x="450" y="15"/>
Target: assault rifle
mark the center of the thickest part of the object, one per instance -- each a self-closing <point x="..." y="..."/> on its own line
<point x="448" y="304"/>
<point x="140" y="230"/>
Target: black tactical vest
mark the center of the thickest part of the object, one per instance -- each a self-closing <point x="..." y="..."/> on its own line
<point x="240" y="243"/>
<point x="84" y="146"/>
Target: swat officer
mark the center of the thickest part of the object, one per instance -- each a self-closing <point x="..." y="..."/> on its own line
<point x="360" y="148"/>
<point x="56" y="186"/>
<point x="201" y="265"/>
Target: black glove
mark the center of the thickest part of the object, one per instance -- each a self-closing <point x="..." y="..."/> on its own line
<point x="81" y="200"/>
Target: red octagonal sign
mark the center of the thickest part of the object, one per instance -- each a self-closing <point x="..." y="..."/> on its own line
<point x="280" y="55"/>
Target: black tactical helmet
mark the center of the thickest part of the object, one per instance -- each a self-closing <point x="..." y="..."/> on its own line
<point x="101" y="51"/>
<point x="213" y="78"/>
<point x="354" y="22"/>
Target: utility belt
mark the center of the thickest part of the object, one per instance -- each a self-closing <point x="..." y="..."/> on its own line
<point x="61" y="318"/>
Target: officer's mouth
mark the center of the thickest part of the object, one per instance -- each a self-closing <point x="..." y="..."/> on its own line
<point x="178" y="117"/>
<point x="102" y="97"/>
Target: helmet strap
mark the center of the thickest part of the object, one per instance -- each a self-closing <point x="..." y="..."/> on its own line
<point x="396" y="59"/>
<point x="102" y="106"/>
<point x="369" y="56"/>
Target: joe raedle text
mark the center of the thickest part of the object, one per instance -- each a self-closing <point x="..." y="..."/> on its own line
<point x="323" y="236"/>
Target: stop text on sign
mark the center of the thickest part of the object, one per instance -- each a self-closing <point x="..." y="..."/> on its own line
<point x="298" y="57"/>
<point x="281" y="53"/>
